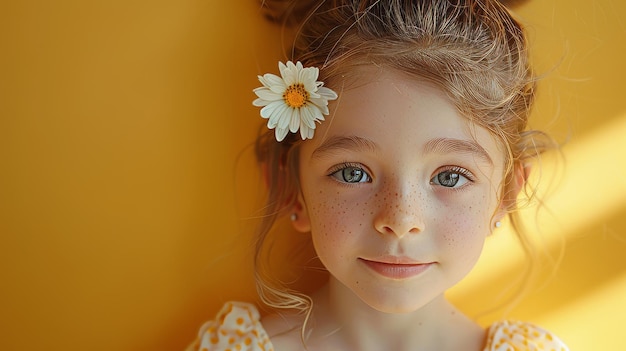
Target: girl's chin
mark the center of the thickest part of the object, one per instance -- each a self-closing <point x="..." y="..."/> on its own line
<point x="399" y="303"/>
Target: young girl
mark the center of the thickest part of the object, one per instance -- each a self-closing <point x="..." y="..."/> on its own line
<point x="398" y="166"/>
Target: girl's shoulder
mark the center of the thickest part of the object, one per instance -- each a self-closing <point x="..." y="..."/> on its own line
<point x="514" y="335"/>
<point x="236" y="327"/>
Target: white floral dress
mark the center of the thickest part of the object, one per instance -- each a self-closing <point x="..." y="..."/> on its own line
<point x="237" y="327"/>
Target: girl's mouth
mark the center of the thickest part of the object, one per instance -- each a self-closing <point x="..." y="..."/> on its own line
<point x="396" y="267"/>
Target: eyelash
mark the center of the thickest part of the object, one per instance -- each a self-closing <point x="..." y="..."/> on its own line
<point x="347" y="165"/>
<point x="455" y="170"/>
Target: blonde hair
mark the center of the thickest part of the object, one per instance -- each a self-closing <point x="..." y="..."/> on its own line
<point x="473" y="50"/>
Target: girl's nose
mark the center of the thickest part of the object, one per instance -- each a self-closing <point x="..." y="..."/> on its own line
<point x="399" y="213"/>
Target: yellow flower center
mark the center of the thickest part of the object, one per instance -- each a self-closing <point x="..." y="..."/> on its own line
<point x="296" y="96"/>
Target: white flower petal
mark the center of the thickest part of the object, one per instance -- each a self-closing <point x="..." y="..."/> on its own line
<point x="270" y="109"/>
<point x="321" y="104"/>
<point x="307" y="117"/>
<point x="281" y="112"/>
<point x="267" y="94"/>
<point x="307" y="77"/>
<point x="303" y="132"/>
<point x="284" y="120"/>
<point x="316" y="73"/>
<point x="317" y="110"/>
<point x="289" y="73"/>
<point x="260" y="102"/>
<point x="326" y="93"/>
<point x="272" y="80"/>
<point x="263" y="81"/>
<point x="274" y="83"/>
<point x="282" y="67"/>
<point x="306" y="132"/>
<point x="280" y="133"/>
<point x="294" y="123"/>
<point x="313" y="95"/>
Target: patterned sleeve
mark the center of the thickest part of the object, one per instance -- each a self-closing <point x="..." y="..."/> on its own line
<point x="521" y="336"/>
<point x="237" y="327"/>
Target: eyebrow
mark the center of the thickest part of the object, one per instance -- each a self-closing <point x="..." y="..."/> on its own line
<point x="349" y="143"/>
<point x="447" y="145"/>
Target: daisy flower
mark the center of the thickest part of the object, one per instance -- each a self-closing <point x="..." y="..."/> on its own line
<point x="294" y="101"/>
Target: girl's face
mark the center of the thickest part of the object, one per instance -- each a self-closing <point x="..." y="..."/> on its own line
<point x="399" y="191"/>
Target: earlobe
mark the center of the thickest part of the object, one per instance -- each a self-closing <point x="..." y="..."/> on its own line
<point x="300" y="216"/>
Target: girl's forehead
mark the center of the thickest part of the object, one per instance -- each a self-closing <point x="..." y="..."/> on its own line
<point x="399" y="112"/>
<point x="382" y="101"/>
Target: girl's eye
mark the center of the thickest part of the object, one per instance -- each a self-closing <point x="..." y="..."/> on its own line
<point x="351" y="174"/>
<point x="452" y="178"/>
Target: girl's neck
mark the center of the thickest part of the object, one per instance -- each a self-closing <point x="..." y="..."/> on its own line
<point x="342" y="318"/>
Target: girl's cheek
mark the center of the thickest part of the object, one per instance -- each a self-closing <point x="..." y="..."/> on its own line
<point x="465" y="230"/>
<point x="333" y="216"/>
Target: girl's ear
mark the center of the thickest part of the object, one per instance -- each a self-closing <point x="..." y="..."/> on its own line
<point x="300" y="216"/>
<point x="520" y="176"/>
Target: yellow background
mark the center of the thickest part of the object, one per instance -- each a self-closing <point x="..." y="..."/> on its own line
<point x="123" y="213"/>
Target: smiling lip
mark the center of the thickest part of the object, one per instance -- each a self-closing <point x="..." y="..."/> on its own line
<point x="396" y="267"/>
